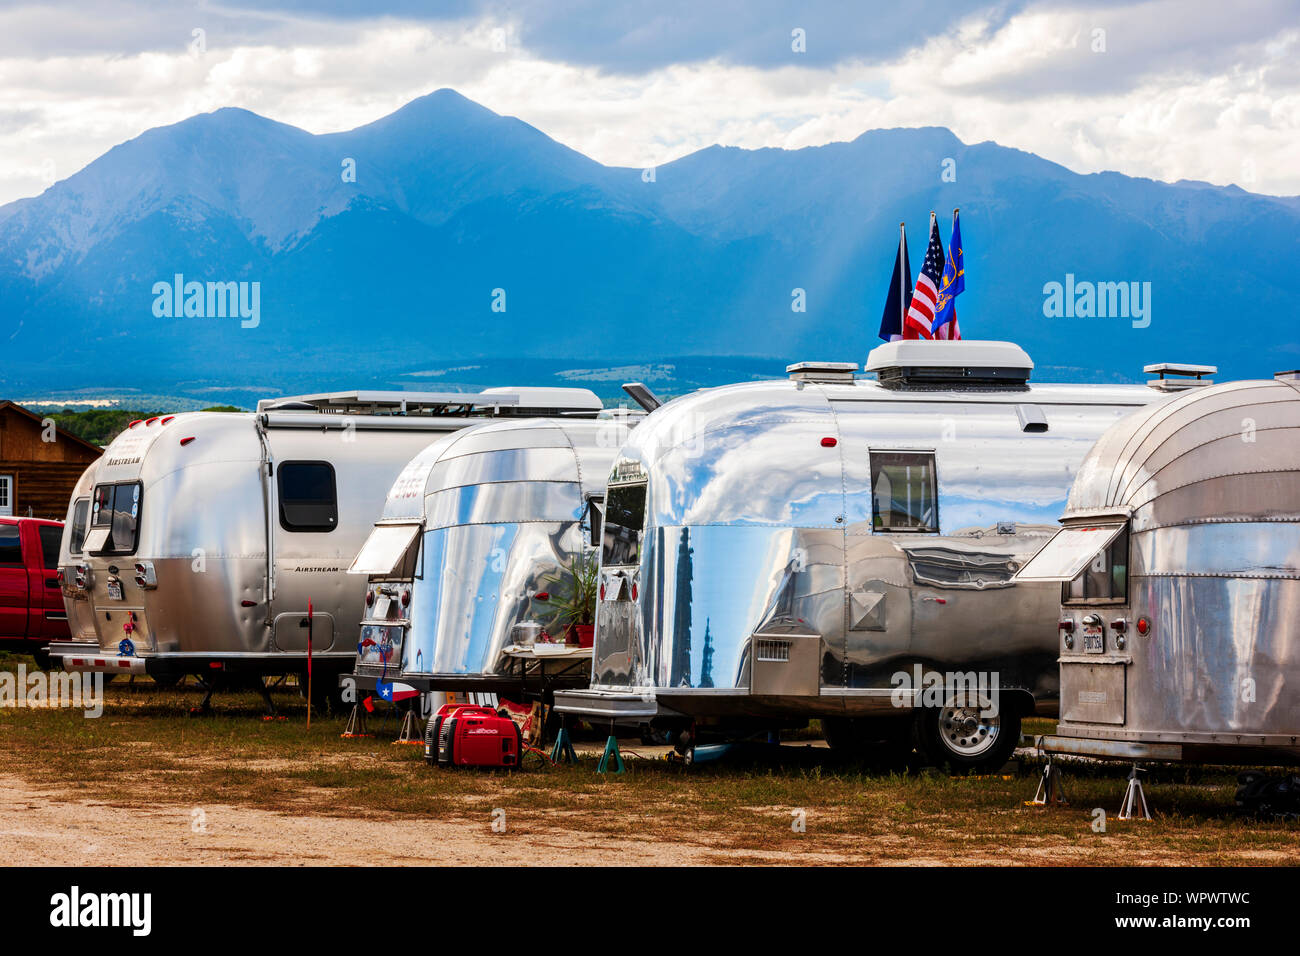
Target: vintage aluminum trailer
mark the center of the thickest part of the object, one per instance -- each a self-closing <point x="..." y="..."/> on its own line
<point x="476" y="527"/>
<point x="1179" y="564"/>
<point x="76" y="599"/>
<point x="776" y="551"/>
<point x="211" y="534"/>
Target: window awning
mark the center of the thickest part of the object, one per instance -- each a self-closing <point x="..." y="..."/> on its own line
<point x="96" y="540"/>
<point x="1069" y="552"/>
<point x="384" y="549"/>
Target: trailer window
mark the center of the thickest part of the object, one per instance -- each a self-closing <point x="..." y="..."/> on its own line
<point x="624" y="524"/>
<point x="1104" y="580"/>
<point x="308" y="496"/>
<point x="903" y="492"/>
<point x="595" y="520"/>
<point x="117" y="508"/>
<point x="80" y="512"/>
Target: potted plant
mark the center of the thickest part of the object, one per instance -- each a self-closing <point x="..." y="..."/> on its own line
<point x="571" y="606"/>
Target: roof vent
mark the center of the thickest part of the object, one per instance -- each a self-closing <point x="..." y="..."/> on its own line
<point x="825" y="373"/>
<point x="1291" y="376"/>
<point x="944" y="365"/>
<point x="1186" y="376"/>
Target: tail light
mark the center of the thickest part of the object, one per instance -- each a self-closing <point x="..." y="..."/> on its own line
<point x="634" y="591"/>
<point x="58" y="576"/>
<point x="406" y="597"/>
<point x="82" y="577"/>
<point x="1143" y="626"/>
<point x="145" y="579"/>
<point x="1119" y="625"/>
<point x="602" y="590"/>
<point x="1066" y="626"/>
<point x="370" y="599"/>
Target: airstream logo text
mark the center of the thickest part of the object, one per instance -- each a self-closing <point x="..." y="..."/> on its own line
<point x="922" y="688"/>
<point x="131" y="910"/>
<point x="210" y="300"/>
<point x="1102" y="300"/>
<point x="318" y="570"/>
<point x="81" y="690"/>
<point x="123" y="461"/>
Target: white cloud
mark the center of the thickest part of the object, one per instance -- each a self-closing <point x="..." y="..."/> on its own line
<point x="1032" y="82"/>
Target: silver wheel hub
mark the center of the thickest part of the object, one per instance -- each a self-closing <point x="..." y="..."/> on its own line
<point x="968" y="731"/>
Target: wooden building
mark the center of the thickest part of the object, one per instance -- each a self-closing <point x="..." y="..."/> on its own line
<point x="39" y="464"/>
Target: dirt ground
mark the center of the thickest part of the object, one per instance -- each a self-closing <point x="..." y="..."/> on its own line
<point x="148" y="785"/>
<point x="78" y="832"/>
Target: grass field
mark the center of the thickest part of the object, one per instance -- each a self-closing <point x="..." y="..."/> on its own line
<point x="308" y="796"/>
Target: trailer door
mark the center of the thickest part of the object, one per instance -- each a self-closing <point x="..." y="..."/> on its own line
<point x="14" y="589"/>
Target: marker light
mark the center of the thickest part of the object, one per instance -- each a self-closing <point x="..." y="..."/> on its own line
<point x="186" y="441"/>
<point x="1144" y="626"/>
<point x="829" y="442"/>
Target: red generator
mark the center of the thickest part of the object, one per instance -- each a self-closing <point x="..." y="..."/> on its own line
<point x="461" y="736"/>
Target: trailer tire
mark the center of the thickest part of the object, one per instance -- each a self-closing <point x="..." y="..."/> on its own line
<point x="167" y="681"/>
<point x="963" y="739"/>
<point x="42" y="658"/>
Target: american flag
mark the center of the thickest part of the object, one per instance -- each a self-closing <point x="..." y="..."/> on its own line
<point x="919" y="322"/>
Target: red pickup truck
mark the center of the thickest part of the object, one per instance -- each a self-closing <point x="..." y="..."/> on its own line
<point x="31" y="600"/>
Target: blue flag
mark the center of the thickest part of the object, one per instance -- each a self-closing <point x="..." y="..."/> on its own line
<point x="900" y="293"/>
<point x="951" y="284"/>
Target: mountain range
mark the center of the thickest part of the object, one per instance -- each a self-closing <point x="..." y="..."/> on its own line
<point x="445" y="236"/>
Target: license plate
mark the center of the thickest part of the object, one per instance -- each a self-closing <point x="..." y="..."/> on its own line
<point x="382" y="604"/>
<point x="1094" y="642"/>
<point x="115" y="590"/>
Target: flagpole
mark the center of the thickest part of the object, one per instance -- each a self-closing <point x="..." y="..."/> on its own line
<point x="902" y="291"/>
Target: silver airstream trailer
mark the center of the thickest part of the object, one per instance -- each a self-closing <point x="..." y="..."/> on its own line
<point x="219" y="543"/>
<point x="479" y="538"/>
<point x="1179" y="568"/>
<point x="72" y="573"/>
<point x="844" y="548"/>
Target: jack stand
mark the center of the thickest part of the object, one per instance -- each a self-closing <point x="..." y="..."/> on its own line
<point x="1134" y="798"/>
<point x="409" y="735"/>
<point x="563" y="751"/>
<point x="611" y="750"/>
<point x="356" y="723"/>
<point x="266" y="696"/>
<point x="205" y="707"/>
<point x="1051" y="791"/>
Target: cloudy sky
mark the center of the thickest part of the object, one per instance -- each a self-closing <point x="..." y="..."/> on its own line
<point x="1170" y="89"/>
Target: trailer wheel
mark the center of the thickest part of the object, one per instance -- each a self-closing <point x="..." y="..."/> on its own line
<point x="42" y="658"/>
<point x="167" y="681"/>
<point x="967" y="737"/>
